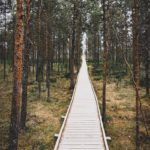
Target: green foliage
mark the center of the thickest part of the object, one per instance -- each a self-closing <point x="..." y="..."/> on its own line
<point x="118" y="74"/>
<point x="42" y="146"/>
<point x="67" y="75"/>
<point x="53" y="79"/>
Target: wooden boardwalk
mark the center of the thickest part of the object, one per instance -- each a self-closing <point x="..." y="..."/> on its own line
<point x="82" y="128"/>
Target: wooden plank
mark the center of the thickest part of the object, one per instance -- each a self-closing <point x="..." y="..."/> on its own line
<point x="82" y="127"/>
<point x="81" y="146"/>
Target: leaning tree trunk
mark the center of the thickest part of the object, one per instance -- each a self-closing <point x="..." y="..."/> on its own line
<point x="25" y="68"/>
<point x="136" y="65"/>
<point x="17" y="78"/>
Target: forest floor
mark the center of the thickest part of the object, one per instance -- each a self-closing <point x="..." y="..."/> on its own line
<point x="120" y="124"/>
<point x="44" y="117"/>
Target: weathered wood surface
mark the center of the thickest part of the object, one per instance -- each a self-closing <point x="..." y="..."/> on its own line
<point x="82" y="128"/>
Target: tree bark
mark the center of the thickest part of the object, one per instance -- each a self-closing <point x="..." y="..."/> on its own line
<point x="147" y="70"/>
<point x="48" y="48"/>
<point x="72" y="82"/>
<point x="105" y="59"/>
<point x="136" y="65"/>
<point x="25" y="68"/>
<point x="39" y="68"/>
<point x="17" y="78"/>
<point x="5" y="43"/>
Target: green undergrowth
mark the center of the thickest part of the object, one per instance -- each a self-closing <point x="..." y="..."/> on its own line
<point x="43" y="118"/>
<point x="120" y="111"/>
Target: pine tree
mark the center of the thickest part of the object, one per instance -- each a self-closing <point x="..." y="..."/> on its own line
<point x="17" y="78"/>
<point x="105" y="59"/>
<point x="136" y="65"/>
<point x="25" y="67"/>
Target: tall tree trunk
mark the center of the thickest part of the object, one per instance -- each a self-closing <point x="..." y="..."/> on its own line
<point x="78" y="34"/>
<point x="72" y="82"/>
<point x="17" y="77"/>
<point x="52" y="52"/>
<point x="25" y="67"/>
<point x="78" y="43"/>
<point x="59" y="53"/>
<point x="95" y="47"/>
<point x="39" y="51"/>
<point x="136" y="64"/>
<point x="105" y="57"/>
<point x="98" y="47"/>
<point x="48" y="48"/>
<point x="147" y="70"/>
<point x="5" y="43"/>
<point x="69" y="47"/>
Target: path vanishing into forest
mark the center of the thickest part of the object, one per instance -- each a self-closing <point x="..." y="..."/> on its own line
<point x="82" y="128"/>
